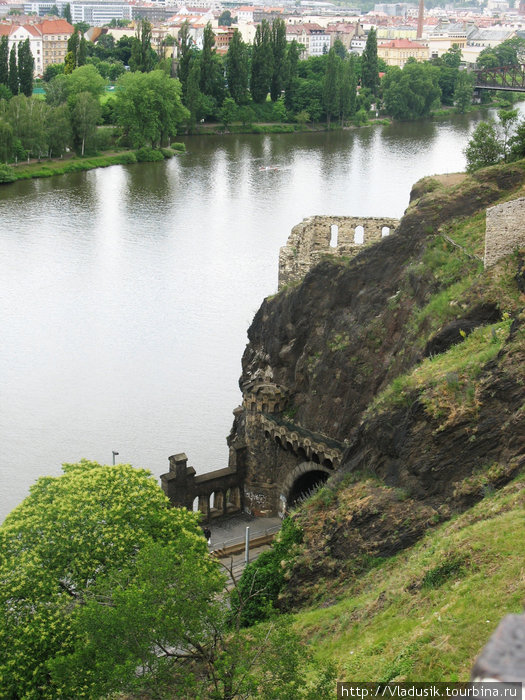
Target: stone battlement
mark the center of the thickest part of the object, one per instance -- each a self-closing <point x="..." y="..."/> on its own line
<point x="505" y="231"/>
<point x="317" y="236"/>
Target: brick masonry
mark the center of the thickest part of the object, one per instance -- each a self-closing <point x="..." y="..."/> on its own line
<point x="505" y="231"/>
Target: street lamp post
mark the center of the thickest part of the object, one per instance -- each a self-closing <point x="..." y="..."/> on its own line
<point x="114" y="455"/>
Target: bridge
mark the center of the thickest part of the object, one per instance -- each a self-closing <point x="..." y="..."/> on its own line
<point x="510" y="78"/>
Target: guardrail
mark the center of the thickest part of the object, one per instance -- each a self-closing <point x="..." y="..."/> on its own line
<point x="236" y="545"/>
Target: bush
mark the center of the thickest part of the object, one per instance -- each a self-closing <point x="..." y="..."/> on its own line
<point x="179" y="147"/>
<point x="258" y="589"/>
<point x="128" y="158"/>
<point x="7" y="174"/>
<point x="146" y="154"/>
<point x="167" y="152"/>
<point x="104" y="139"/>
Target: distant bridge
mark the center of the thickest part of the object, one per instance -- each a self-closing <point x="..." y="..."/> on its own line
<point x="511" y="78"/>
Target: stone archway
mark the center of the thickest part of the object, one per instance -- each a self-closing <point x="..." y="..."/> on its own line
<point x="300" y="481"/>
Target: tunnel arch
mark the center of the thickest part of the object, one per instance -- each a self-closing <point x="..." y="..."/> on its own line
<point x="305" y="477"/>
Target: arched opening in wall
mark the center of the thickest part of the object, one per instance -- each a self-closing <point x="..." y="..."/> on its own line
<point x="278" y="441"/>
<point x="289" y="446"/>
<point x="334" y="232"/>
<point x="266" y="434"/>
<point x="315" y="458"/>
<point x="195" y="504"/>
<point x="305" y="485"/>
<point x="301" y="453"/>
<point x="385" y="231"/>
<point x="212" y="500"/>
<point x="265" y="408"/>
<point x="328" y="463"/>
<point x="359" y="235"/>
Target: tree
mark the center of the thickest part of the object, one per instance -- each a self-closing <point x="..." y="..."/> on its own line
<point x="484" y="148"/>
<point x="13" y="84"/>
<point x="6" y="141"/>
<point x="82" y="52"/>
<point x="53" y="69"/>
<point x="262" y="63"/>
<point x="340" y="49"/>
<point x="148" y="107"/>
<point x="72" y="48"/>
<point x="85" y="115"/>
<point x="228" y="111"/>
<point x="86" y="79"/>
<point x="452" y="58"/>
<point x="57" y="90"/>
<point x="369" y="65"/>
<point x="237" y="69"/>
<point x="517" y="143"/>
<point x="185" y="48"/>
<point x="66" y="13"/>
<point x="508" y="119"/>
<point x="26" y="64"/>
<point x="292" y="62"/>
<point x="194" y="96"/>
<point x="69" y="63"/>
<point x="411" y="93"/>
<point x="331" y="86"/>
<point x="348" y="89"/>
<point x="142" y="58"/>
<point x="225" y="19"/>
<point x="463" y="91"/>
<point x="278" y="44"/>
<point x="4" y="61"/>
<point x="58" y="130"/>
<point x="212" y="75"/>
<point x="87" y="566"/>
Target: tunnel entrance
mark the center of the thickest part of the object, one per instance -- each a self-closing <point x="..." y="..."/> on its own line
<point x="305" y="485"/>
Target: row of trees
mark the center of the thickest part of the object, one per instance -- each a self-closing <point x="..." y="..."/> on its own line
<point x="106" y="590"/>
<point x="493" y="142"/>
<point x="16" y="69"/>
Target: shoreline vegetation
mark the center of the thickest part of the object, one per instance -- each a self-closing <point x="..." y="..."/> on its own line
<point x="72" y="163"/>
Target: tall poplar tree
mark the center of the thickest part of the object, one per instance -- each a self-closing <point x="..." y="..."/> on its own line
<point x="292" y="63"/>
<point x="331" y="86"/>
<point x="66" y="13"/>
<point x="369" y="64"/>
<point x="4" y="61"/>
<point x="82" y="52"/>
<point x="26" y="65"/>
<point x="262" y="62"/>
<point x="185" y="55"/>
<point x="279" y="58"/>
<point x="348" y="94"/>
<point x="237" y="69"/>
<point x="13" y="73"/>
<point x="207" y="60"/>
<point x="72" y="48"/>
<point x="142" y="55"/>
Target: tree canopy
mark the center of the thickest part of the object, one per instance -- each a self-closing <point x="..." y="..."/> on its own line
<point x="75" y="576"/>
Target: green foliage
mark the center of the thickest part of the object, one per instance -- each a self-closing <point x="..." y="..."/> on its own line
<point x="262" y="62"/>
<point x="179" y="147"/>
<point x="228" y="111"/>
<point x="369" y="65"/>
<point x="237" y="69"/>
<point x="146" y="154"/>
<point x="6" y="173"/>
<point x="453" y="567"/>
<point x="463" y="91"/>
<point x="411" y="93"/>
<point x="484" y="147"/>
<point x="142" y="57"/>
<point x="262" y="580"/>
<point x="4" y="61"/>
<point x="279" y="64"/>
<point x="82" y="541"/>
<point x="26" y="64"/>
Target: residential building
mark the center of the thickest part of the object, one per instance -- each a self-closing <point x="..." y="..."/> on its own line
<point x="313" y="37"/>
<point x="398" y="51"/>
<point x="47" y="39"/>
<point x="17" y="33"/>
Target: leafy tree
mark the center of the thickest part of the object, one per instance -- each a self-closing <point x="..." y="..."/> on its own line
<point x="262" y="62"/>
<point x="508" y="53"/>
<point x="508" y="119"/>
<point x="412" y="92"/>
<point x="194" y="96"/>
<point x="340" y="49"/>
<point x="225" y="19"/>
<point x="85" y="115"/>
<point x="123" y="49"/>
<point x="4" y="61"/>
<point x="53" y="69"/>
<point x="237" y="69"/>
<point x="54" y="11"/>
<point x="279" y="65"/>
<point x="57" y="90"/>
<point x="292" y="62"/>
<point x="58" y="130"/>
<point x="80" y="607"/>
<point x="148" y="107"/>
<point x="104" y="47"/>
<point x="13" y="84"/>
<point x="6" y="141"/>
<point x="369" y="65"/>
<point x="447" y="82"/>
<point x="66" y="13"/>
<point x="5" y="92"/>
<point x="69" y="63"/>
<point x="26" y="64"/>
<point x="86" y="79"/>
<point x="142" y="58"/>
<point x="228" y="111"/>
<point x="484" y="147"/>
<point x="82" y="52"/>
<point x="212" y="74"/>
<point x="246" y="115"/>
<point x="185" y="48"/>
<point x="73" y="44"/>
<point x="348" y="91"/>
<point x="452" y="58"/>
<point x="331" y="86"/>
<point x="463" y="91"/>
<point x="517" y="143"/>
<point x="81" y="27"/>
<point x="27" y="117"/>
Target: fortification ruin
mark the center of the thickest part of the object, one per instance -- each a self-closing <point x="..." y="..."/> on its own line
<point x="505" y="230"/>
<point x="317" y="236"/>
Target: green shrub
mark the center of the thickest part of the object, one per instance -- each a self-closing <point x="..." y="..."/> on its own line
<point x="146" y="154"/>
<point x="258" y="589"/>
<point x="167" y="152"/>
<point x="7" y="174"/>
<point x="179" y="147"/>
<point x="128" y="158"/>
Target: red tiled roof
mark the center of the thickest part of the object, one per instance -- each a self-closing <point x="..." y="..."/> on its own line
<point x="56" y="26"/>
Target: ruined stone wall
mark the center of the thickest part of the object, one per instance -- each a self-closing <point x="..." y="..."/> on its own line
<point x="310" y="240"/>
<point x="505" y="230"/>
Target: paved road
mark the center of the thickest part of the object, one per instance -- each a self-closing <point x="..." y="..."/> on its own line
<point x="231" y="530"/>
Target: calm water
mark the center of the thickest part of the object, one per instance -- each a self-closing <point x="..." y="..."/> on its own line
<point x="126" y="292"/>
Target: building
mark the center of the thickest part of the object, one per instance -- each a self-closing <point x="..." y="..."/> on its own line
<point x="345" y="32"/>
<point x="314" y="38"/>
<point x="398" y="51"/>
<point x="47" y="39"/>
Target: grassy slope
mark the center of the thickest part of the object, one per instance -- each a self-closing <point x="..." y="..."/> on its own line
<point x="426" y="613"/>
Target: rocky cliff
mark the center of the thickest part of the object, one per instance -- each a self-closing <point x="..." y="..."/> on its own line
<point x="410" y="357"/>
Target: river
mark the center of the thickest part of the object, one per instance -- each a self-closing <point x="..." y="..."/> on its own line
<point x="126" y="292"/>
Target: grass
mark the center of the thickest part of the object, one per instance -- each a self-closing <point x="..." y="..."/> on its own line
<point x="426" y="613"/>
<point x="447" y="384"/>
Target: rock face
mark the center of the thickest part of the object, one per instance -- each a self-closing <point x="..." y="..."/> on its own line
<point x="318" y="236"/>
<point x="320" y="352"/>
<point x="505" y="230"/>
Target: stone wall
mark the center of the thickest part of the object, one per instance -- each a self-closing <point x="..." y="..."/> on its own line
<point x="318" y="236"/>
<point x="505" y="230"/>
